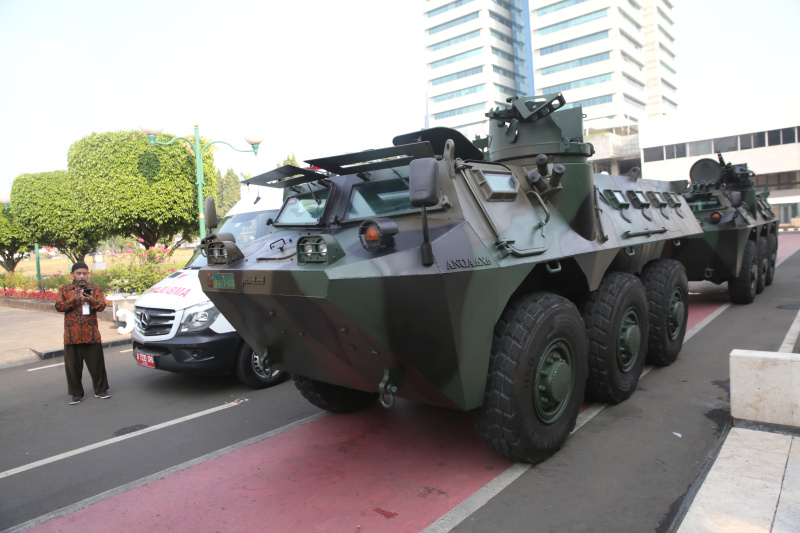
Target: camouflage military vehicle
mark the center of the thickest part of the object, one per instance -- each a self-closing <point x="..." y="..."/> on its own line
<point x="509" y="280"/>
<point x="739" y="243"/>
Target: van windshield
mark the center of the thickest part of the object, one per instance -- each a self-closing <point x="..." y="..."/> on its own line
<point x="245" y="227"/>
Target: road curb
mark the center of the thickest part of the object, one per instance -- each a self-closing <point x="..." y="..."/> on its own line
<point x="59" y="352"/>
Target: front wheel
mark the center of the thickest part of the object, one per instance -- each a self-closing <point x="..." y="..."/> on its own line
<point x="537" y="376"/>
<point x="667" y="290"/>
<point x="250" y="370"/>
<point x="772" y="258"/>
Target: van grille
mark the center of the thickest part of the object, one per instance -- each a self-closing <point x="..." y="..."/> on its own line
<point x="152" y="322"/>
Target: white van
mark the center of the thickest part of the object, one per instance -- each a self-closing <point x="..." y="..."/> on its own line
<point x="178" y="329"/>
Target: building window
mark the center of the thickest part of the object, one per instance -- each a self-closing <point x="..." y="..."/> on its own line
<point x="460" y="111"/>
<point x="505" y="38"/>
<point x="457" y="75"/>
<point x="667" y="67"/>
<point x="745" y="142"/>
<point x="505" y="55"/>
<point x="653" y="154"/>
<point x="502" y="20"/>
<point x="627" y="38"/>
<point x="574" y="42"/>
<point x="504" y="72"/>
<point x="665" y="34"/>
<point x="576" y="63"/>
<point x="631" y="61"/>
<point x="774" y="137"/>
<point x="454" y="40"/>
<point x="726" y="144"/>
<point x="457" y="57"/>
<point x="636" y="83"/>
<point x="787" y="135"/>
<point x="574" y="22"/>
<point x="453" y="23"/>
<point x="576" y="84"/>
<point x="759" y="139"/>
<point x="557" y="6"/>
<point x="700" y="148"/>
<point x="634" y="102"/>
<point x="456" y="94"/>
<point x="447" y="7"/>
<point x="505" y="90"/>
<point x="590" y="102"/>
<point x="674" y="151"/>
<point x="667" y="51"/>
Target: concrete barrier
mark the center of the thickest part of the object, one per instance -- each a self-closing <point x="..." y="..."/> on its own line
<point x="765" y="387"/>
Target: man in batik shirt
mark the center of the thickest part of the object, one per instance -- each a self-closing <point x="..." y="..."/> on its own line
<point x="80" y="301"/>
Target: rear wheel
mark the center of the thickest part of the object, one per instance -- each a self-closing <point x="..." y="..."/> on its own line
<point x="333" y="398"/>
<point x="617" y="331"/>
<point x="667" y="289"/>
<point x="742" y="289"/>
<point x="762" y="252"/>
<point x="250" y="370"/>
<point x="772" y="258"/>
<point x="537" y="376"/>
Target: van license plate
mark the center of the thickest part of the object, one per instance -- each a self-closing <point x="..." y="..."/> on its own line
<point x="145" y="360"/>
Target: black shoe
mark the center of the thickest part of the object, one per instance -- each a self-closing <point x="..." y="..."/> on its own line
<point x="75" y="400"/>
<point x="104" y="395"/>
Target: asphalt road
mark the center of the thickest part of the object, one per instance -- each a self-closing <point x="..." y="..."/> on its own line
<point x="629" y="468"/>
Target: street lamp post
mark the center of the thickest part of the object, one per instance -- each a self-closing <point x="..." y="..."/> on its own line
<point x="198" y="155"/>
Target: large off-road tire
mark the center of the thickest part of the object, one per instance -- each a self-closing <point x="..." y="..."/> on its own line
<point x="616" y="321"/>
<point x="762" y="252"/>
<point x="537" y="376"/>
<point x="667" y="289"/>
<point x="333" y="398"/>
<point x="251" y="372"/>
<point x="742" y="289"/>
<point x="772" y="257"/>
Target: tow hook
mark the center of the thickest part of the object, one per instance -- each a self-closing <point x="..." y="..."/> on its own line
<point x="387" y="389"/>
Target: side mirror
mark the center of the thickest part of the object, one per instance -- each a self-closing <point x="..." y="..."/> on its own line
<point x="423" y="182"/>
<point x="736" y="198"/>
<point x="210" y="212"/>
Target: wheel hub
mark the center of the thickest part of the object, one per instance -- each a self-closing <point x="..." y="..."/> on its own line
<point x="630" y="340"/>
<point x="677" y="311"/>
<point x="554" y="376"/>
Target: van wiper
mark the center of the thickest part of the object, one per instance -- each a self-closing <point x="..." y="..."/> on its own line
<point x="312" y="194"/>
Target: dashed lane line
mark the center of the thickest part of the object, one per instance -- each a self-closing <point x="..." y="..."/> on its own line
<point x="101" y="444"/>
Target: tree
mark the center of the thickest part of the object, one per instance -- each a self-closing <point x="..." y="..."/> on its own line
<point x="289" y="160"/>
<point x="13" y="242"/>
<point x="137" y="189"/>
<point x="51" y="210"/>
<point x="228" y="191"/>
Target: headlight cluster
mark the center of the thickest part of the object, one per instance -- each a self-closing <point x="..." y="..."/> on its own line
<point x="321" y="249"/>
<point x="198" y="317"/>
<point x="217" y="254"/>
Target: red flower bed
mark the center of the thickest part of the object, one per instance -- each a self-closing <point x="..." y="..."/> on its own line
<point x="16" y="293"/>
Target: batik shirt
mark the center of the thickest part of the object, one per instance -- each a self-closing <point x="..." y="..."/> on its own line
<point x="80" y="328"/>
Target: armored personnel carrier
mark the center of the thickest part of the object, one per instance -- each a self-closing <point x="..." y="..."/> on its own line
<point x="508" y="280"/>
<point x="739" y="243"/>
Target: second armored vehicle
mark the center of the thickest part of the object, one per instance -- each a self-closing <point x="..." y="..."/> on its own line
<point x="739" y="243"/>
<point x="507" y="281"/>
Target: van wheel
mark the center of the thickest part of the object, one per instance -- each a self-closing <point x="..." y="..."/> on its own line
<point x="742" y="289"/>
<point x="251" y="372"/>
<point x="333" y="398"/>
<point x="667" y="291"/>
<point x="617" y="332"/>
<point x="762" y="251"/>
<point x="772" y="258"/>
<point x="537" y="376"/>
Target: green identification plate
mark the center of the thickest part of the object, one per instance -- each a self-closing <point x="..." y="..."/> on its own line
<point x="223" y="281"/>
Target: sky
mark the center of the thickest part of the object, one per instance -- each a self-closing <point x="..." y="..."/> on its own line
<point x="314" y="77"/>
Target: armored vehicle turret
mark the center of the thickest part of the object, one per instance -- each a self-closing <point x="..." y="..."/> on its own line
<point x="739" y="243"/>
<point x="507" y="279"/>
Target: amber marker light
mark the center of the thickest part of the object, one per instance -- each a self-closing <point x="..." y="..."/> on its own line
<point x="377" y="233"/>
<point x="715" y="217"/>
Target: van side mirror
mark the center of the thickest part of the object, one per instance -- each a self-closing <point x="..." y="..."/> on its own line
<point x="423" y="185"/>
<point x="423" y="182"/>
<point x="210" y="212"/>
<point x="736" y="198"/>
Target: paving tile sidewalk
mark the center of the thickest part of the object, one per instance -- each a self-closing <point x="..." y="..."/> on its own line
<point x="28" y="336"/>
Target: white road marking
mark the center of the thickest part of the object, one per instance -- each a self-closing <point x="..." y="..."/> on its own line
<point x="125" y="351"/>
<point x="79" y="451"/>
<point x="791" y="336"/>
<point x="48" y="366"/>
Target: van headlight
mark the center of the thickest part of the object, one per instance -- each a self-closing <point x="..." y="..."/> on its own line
<point x="198" y="317"/>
